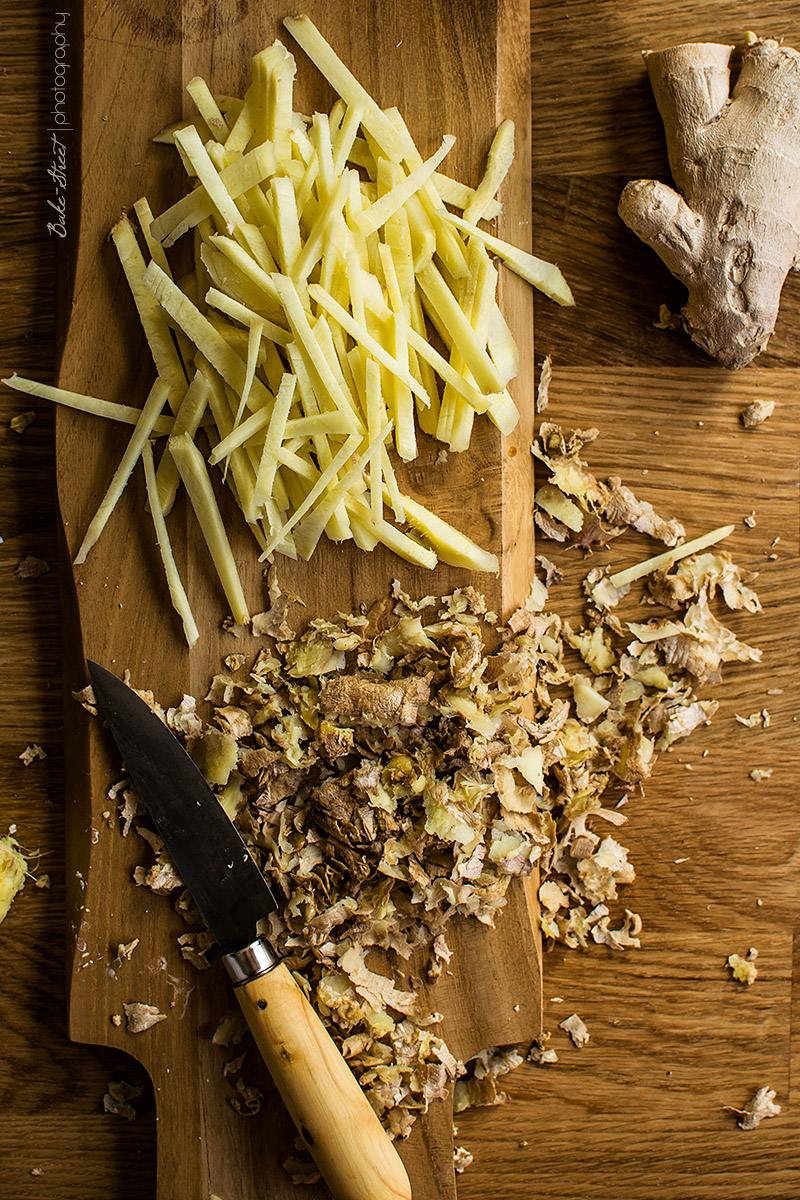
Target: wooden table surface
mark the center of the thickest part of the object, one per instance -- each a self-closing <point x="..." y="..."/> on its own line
<point x="640" y="1111"/>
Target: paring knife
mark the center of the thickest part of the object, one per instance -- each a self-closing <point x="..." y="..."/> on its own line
<point x="336" y="1121"/>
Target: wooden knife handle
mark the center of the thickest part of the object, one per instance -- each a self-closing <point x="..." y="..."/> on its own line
<point x="336" y="1121"/>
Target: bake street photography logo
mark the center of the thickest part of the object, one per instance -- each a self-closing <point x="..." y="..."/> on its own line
<point x="57" y="170"/>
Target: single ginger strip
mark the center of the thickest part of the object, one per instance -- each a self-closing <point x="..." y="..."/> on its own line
<point x="542" y="275"/>
<point x="345" y="83"/>
<point x="128" y="414"/>
<point x="621" y="579"/>
<point x="201" y="493"/>
<point x="177" y="591"/>
<point x="142" y="431"/>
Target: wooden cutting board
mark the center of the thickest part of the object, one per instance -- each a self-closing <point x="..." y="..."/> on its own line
<point x="640" y="1111"/>
<point x="457" y="68"/>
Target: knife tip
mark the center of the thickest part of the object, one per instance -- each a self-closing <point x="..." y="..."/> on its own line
<point x="102" y="679"/>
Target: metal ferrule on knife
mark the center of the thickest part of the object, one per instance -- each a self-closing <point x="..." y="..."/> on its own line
<point x="251" y="961"/>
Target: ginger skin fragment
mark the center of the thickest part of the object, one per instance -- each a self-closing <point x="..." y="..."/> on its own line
<point x="383" y="702"/>
<point x="731" y="230"/>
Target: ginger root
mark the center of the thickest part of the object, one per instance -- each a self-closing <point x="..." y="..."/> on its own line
<point x="733" y="233"/>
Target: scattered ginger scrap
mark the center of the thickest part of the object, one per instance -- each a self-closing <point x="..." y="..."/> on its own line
<point x="744" y="969"/>
<point x="140" y="1017"/>
<point x="576" y="1028"/>
<point x="761" y="1105"/>
<point x="13" y="871"/>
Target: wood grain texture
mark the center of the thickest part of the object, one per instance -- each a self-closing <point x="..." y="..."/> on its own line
<point x="122" y="608"/>
<point x="51" y="1090"/>
<point x="640" y="1110"/>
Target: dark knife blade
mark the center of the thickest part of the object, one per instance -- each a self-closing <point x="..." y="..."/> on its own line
<point x="208" y="852"/>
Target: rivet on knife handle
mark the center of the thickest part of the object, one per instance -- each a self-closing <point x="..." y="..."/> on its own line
<point x="336" y="1120"/>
